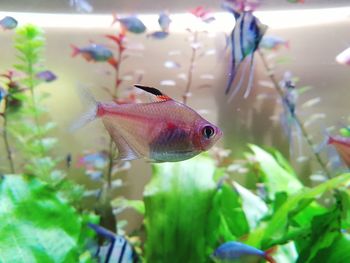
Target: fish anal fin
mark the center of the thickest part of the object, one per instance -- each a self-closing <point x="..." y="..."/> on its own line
<point x="159" y="95"/>
<point x="125" y="151"/>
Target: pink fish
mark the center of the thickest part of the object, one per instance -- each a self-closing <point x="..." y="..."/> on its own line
<point x="161" y="131"/>
<point x="342" y="145"/>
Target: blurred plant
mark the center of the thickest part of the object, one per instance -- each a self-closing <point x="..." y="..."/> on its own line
<point x="26" y="111"/>
<point x="290" y="106"/>
<point x="198" y="213"/>
<point x="39" y="226"/>
<point x="107" y="169"/>
<point x="38" y="202"/>
<point x="203" y="16"/>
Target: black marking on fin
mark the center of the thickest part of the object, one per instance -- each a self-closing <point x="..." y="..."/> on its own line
<point x="151" y="90"/>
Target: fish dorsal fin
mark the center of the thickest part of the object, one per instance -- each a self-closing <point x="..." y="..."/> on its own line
<point x="159" y="95"/>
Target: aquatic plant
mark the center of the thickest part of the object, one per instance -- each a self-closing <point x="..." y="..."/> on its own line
<point x="110" y="169"/>
<point x="38" y="226"/>
<point x="204" y="16"/>
<point x="25" y="123"/>
<point x="40" y="222"/>
<point x="197" y="206"/>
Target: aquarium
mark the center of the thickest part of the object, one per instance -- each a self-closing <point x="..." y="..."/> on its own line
<point x="174" y="131"/>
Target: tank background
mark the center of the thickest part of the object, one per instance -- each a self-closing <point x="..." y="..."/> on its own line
<point x="312" y="50"/>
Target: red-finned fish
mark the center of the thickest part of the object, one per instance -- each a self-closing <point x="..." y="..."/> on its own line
<point x="245" y="38"/>
<point x="164" y="21"/>
<point x="8" y="23"/>
<point x="96" y="53"/>
<point x="342" y="145"/>
<point x="160" y="131"/>
<point x="344" y="57"/>
<point x="130" y="23"/>
<point x="203" y="14"/>
<point x="236" y="251"/>
<point x="273" y="42"/>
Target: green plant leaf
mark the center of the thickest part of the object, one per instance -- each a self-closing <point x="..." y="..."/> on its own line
<point x="122" y="203"/>
<point x="277" y="177"/>
<point x="338" y="252"/>
<point x="179" y="212"/>
<point x="325" y="229"/>
<point x="36" y="225"/>
<point x="253" y="206"/>
<point x="275" y="232"/>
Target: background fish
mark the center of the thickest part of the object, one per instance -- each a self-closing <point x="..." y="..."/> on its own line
<point x="160" y="131"/>
<point x="164" y="21"/>
<point x="158" y="34"/>
<point x="131" y="24"/>
<point x="46" y="76"/>
<point x="96" y="53"/>
<point x="236" y="251"/>
<point x="245" y="38"/>
<point x="81" y="6"/>
<point x="342" y="145"/>
<point x="8" y="23"/>
<point x="118" y="250"/>
<point x="3" y="93"/>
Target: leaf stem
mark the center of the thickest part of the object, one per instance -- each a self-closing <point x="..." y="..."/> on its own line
<point x="190" y="68"/>
<point x="7" y="144"/>
<point x="304" y="132"/>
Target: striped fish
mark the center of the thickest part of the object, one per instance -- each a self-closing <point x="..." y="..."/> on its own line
<point x="117" y="251"/>
<point x="245" y="39"/>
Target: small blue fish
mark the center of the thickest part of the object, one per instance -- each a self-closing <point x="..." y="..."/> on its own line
<point x="164" y="21"/>
<point x="158" y="34"/>
<point x="8" y="23"/>
<point x="245" y="38"/>
<point x="273" y="42"/>
<point x="93" y="160"/>
<point x="3" y="93"/>
<point x="46" y="76"/>
<point x="82" y="6"/>
<point x="131" y="24"/>
<point x="96" y="53"/>
<point x="235" y="251"/>
<point x="118" y="251"/>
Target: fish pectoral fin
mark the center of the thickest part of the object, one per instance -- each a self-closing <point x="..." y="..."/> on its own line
<point x="159" y="95"/>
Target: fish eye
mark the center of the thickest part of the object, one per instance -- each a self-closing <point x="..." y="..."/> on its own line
<point x="208" y="132"/>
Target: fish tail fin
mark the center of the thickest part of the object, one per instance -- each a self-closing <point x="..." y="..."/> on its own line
<point x="231" y="78"/>
<point x="113" y="62"/>
<point x="268" y="253"/>
<point x="91" y="114"/>
<point x="115" y="18"/>
<point x="270" y="259"/>
<point x="75" y="50"/>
